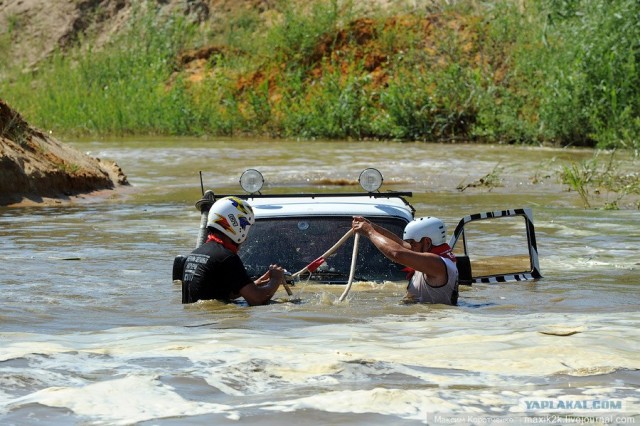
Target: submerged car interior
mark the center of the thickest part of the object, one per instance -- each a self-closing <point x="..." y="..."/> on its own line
<point x="295" y="242"/>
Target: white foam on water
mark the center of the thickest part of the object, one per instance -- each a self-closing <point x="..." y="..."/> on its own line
<point x="113" y="402"/>
<point x="250" y="362"/>
<point x="417" y="404"/>
<point x="12" y="349"/>
<point x="533" y="344"/>
<point x="406" y="404"/>
<point x="398" y="365"/>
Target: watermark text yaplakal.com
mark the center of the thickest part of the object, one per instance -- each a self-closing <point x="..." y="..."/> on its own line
<point x="436" y="419"/>
<point x="562" y="405"/>
<point x="549" y="411"/>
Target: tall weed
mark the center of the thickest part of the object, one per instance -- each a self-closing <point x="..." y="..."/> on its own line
<point x="593" y="86"/>
<point x="337" y="106"/>
<point x="593" y="177"/>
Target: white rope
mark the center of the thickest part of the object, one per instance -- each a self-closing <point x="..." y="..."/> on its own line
<point x="352" y="272"/>
<point x="328" y="253"/>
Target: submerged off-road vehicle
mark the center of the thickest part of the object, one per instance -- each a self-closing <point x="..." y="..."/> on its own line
<point x="294" y="229"/>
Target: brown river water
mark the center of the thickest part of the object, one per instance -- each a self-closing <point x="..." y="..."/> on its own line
<point x="93" y="331"/>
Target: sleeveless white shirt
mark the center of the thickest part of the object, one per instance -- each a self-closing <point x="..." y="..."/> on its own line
<point x="422" y="292"/>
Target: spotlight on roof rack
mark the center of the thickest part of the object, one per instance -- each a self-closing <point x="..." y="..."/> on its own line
<point x="251" y="181"/>
<point x="370" y="179"/>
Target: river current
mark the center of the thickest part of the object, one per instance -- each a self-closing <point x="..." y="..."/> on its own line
<point x="93" y="331"/>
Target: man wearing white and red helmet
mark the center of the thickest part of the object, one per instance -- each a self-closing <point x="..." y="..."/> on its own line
<point x="423" y="249"/>
<point x="214" y="270"/>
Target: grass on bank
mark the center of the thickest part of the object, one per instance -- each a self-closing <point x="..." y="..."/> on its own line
<point x="118" y="90"/>
<point x="562" y="72"/>
<point x="602" y="176"/>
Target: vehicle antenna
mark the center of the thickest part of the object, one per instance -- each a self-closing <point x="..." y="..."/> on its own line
<point x="201" y="184"/>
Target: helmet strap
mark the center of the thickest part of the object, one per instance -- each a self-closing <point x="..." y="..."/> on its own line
<point x="443" y="250"/>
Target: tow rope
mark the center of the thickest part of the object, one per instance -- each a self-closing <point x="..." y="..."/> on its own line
<point x="313" y="266"/>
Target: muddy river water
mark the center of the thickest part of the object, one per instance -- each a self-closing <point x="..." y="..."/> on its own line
<point x="93" y="332"/>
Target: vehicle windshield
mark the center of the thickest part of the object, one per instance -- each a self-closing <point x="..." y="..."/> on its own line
<point x="293" y="243"/>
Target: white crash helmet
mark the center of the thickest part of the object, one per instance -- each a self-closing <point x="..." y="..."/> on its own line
<point x="233" y="217"/>
<point x="431" y="227"/>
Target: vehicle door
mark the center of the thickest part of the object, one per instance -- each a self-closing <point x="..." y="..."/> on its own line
<point x="497" y="246"/>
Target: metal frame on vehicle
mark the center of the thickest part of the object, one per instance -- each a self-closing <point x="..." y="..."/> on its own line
<point x="532" y="273"/>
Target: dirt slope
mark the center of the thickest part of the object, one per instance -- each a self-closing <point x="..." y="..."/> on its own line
<point x="31" y="30"/>
<point x="35" y="166"/>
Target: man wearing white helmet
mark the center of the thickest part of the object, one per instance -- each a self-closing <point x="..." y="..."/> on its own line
<point x="424" y="250"/>
<point x="214" y="270"/>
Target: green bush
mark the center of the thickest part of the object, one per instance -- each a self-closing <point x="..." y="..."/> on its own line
<point x="591" y="93"/>
<point x="563" y="72"/>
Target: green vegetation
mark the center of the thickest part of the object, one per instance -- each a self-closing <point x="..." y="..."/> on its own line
<point x="561" y="72"/>
<point x="489" y="181"/>
<point x="578" y="177"/>
<point x="69" y="169"/>
<point x="593" y="177"/>
<point x="12" y="126"/>
<point x="122" y="89"/>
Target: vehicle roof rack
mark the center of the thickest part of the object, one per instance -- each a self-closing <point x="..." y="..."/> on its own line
<point x="388" y="194"/>
<point x="210" y="197"/>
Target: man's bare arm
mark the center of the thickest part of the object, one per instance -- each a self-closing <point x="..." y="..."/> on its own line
<point x="258" y="293"/>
